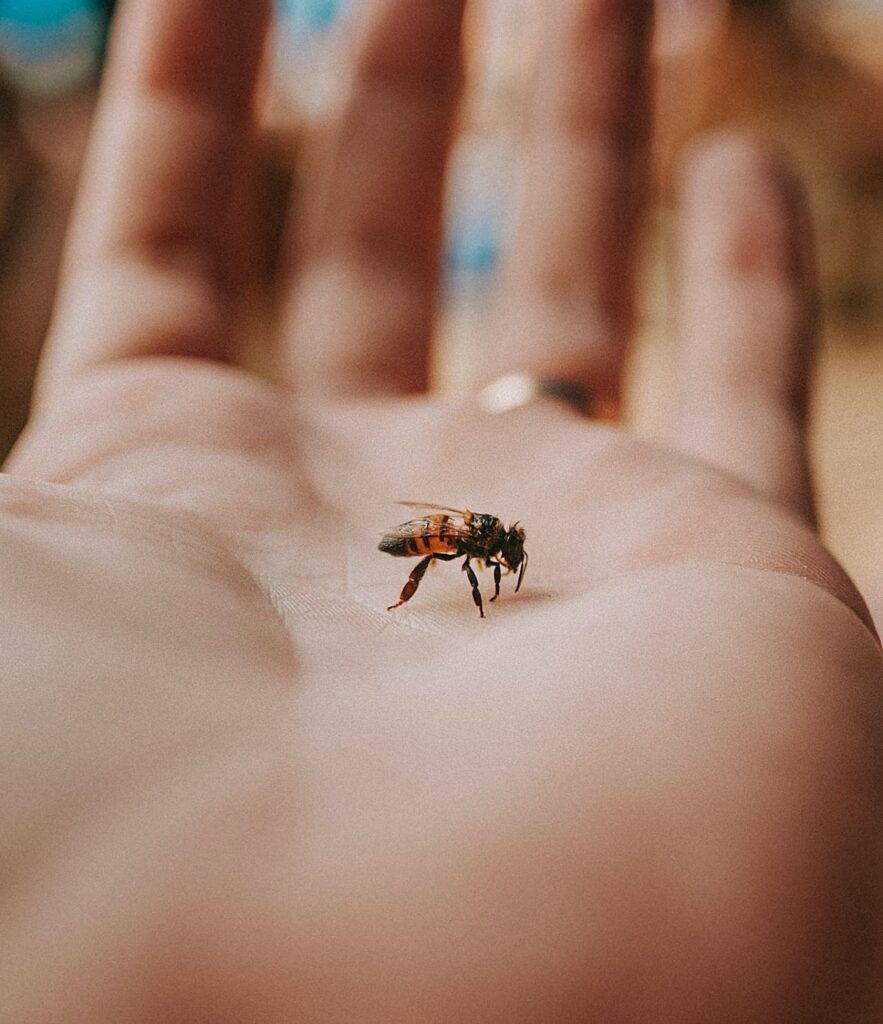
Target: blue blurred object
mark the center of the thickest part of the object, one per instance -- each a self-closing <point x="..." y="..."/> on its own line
<point x="480" y="187"/>
<point x="307" y="52"/>
<point x="481" y="190"/>
<point x="474" y="242"/>
<point x="42" y="13"/>
<point x="51" y="47"/>
<point x="304" y="18"/>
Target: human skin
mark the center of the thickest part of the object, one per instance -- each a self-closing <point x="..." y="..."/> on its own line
<point x="236" y="788"/>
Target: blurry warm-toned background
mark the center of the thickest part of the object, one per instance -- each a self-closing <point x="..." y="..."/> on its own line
<point x="805" y="73"/>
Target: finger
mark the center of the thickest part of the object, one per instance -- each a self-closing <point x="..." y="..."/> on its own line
<point x="156" y="248"/>
<point x="747" y="316"/>
<point x="566" y="301"/>
<point x="361" y="304"/>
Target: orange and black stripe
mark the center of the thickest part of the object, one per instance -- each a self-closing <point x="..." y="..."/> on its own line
<point x="432" y="545"/>
<point x="421" y="537"/>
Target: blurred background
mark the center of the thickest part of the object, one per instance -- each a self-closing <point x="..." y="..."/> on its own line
<point x="805" y="73"/>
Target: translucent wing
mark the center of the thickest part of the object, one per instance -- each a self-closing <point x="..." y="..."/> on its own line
<point x="429" y="507"/>
<point x="447" y="523"/>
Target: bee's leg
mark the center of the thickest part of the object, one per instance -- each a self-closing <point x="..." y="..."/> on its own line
<point x="476" y="593"/>
<point x="498" y="572"/>
<point x="410" y="588"/>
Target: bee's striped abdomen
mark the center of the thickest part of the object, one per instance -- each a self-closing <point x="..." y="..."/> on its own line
<point x="433" y="546"/>
<point x="421" y="537"/>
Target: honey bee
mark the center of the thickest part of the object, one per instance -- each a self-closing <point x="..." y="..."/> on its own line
<point x="443" y="534"/>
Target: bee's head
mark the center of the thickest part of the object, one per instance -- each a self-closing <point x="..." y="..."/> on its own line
<point x="512" y="551"/>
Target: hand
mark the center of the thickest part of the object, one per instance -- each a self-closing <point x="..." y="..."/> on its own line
<point x="236" y="787"/>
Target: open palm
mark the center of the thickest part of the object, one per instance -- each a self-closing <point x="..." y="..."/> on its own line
<point x="240" y="788"/>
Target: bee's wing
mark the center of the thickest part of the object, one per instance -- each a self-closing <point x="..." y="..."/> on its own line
<point x="431" y="527"/>
<point x="429" y="507"/>
<point x="409" y="529"/>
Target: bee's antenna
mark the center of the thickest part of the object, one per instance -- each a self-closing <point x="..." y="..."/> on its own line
<point x="521" y="573"/>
